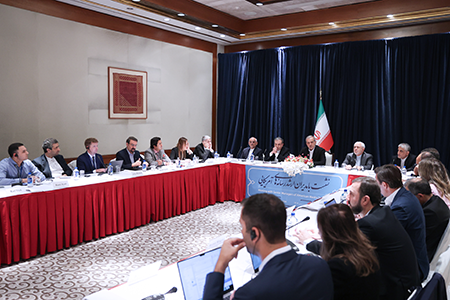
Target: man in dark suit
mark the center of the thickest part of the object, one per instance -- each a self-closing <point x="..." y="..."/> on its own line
<point x="51" y="163"/>
<point x="358" y="159"/>
<point x="404" y="157"/>
<point x="279" y="151"/>
<point x="408" y="211"/>
<point x="252" y="149"/>
<point x="435" y="210"/>
<point x="130" y="156"/>
<point x="283" y="274"/>
<point x="395" y="252"/>
<point x="314" y="152"/>
<point x="204" y="150"/>
<point x="90" y="161"/>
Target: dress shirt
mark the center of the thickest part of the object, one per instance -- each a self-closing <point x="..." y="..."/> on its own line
<point x="390" y="198"/>
<point x="250" y="152"/>
<point x="55" y="167"/>
<point x="436" y="192"/>
<point x="273" y="254"/>
<point x="93" y="160"/>
<point x="131" y="155"/>
<point x="358" y="160"/>
<point x="311" y="153"/>
<point x="402" y="162"/>
<point x="11" y="173"/>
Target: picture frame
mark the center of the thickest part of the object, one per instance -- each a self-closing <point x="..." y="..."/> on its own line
<point x="127" y="94"/>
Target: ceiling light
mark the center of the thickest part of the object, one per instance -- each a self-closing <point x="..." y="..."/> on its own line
<point x="331" y="24"/>
<point x="197" y="28"/>
<point x="167" y="19"/>
<point x="215" y="25"/>
<point x="283" y="29"/>
<point x="181" y="15"/>
<point x="390" y="16"/>
<point x="222" y="35"/>
<point x="259" y="4"/>
<point x="242" y="34"/>
<point x="136" y="0"/>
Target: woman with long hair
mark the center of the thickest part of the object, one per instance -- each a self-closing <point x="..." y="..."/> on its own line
<point x="350" y="255"/>
<point x="434" y="171"/>
<point x="182" y="150"/>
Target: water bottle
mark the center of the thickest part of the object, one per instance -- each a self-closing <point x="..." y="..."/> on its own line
<point x="292" y="220"/>
<point x="336" y="164"/>
<point x="216" y="155"/>
<point x="404" y="171"/>
<point x="228" y="155"/>
<point x="110" y="169"/>
<point x="76" y="173"/>
<point x="29" y="180"/>
<point x="344" y="196"/>
<point x="178" y="163"/>
<point x="252" y="157"/>
<point x="144" y="166"/>
<point x="195" y="159"/>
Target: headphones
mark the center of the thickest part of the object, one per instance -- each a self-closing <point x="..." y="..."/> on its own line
<point x="252" y="234"/>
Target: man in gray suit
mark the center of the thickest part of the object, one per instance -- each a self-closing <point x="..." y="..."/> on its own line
<point x="359" y="158"/>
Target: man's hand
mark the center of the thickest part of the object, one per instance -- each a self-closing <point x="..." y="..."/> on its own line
<point x="348" y="167"/>
<point x="230" y="249"/>
<point x="159" y="162"/>
<point x="136" y="163"/>
<point x="274" y="150"/>
<point x="103" y="170"/>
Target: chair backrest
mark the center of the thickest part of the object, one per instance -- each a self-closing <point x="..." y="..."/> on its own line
<point x="442" y="247"/>
<point x="328" y="159"/>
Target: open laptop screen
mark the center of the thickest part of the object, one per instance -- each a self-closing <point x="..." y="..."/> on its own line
<point x="193" y="271"/>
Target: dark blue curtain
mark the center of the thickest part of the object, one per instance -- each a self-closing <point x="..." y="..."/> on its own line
<point x="381" y="92"/>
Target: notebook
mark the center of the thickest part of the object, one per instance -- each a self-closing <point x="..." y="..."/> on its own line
<point x="193" y="271"/>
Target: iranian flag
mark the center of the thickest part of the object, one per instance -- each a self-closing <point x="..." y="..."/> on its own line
<point x="322" y="132"/>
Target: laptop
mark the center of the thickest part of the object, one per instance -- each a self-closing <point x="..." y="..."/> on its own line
<point x="193" y="271"/>
<point x="116" y="163"/>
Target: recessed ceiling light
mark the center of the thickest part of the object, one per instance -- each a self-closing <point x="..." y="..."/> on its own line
<point x="242" y="34"/>
<point x="259" y="4"/>
<point x="331" y="24"/>
<point x="283" y="29"/>
<point x="390" y="16"/>
<point x="215" y="25"/>
<point x="136" y="0"/>
<point x="197" y="28"/>
<point x="181" y="15"/>
<point x="129" y="8"/>
<point x="167" y="19"/>
<point x="222" y="35"/>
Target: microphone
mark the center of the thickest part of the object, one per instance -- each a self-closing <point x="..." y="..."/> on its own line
<point x="161" y="296"/>
<point x="237" y="155"/>
<point x="264" y="154"/>
<point x="305" y="219"/>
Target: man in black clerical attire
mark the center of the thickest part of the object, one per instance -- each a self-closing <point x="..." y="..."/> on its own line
<point x="314" y="152"/>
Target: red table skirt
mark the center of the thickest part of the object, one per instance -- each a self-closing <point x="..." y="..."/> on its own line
<point x="39" y="223"/>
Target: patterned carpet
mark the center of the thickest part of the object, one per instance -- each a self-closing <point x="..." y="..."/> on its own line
<point x="85" y="269"/>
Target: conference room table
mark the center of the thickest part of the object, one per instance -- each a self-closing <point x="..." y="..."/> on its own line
<point x="65" y="212"/>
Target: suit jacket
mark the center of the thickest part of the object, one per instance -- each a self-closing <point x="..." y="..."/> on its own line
<point x="174" y="154"/>
<point x="395" y="251"/>
<point x="41" y="163"/>
<point x="125" y="157"/>
<point x="257" y="153"/>
<point x="410" y="162"/>
<point x="284" y="152"/>
<point x="318" y="155"/>
<point x="406" y="207"/>
<point x="366" y="160"/>
<point x="437" y="215"/>
<point x="151" y="157"/>
<point x="84" y="162"/>
<point x="203" y="153"/>
<point x="286" y="276"/>
<point x="349" y="286"/>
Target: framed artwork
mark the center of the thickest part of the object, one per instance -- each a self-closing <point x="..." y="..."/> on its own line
<point x="127" y="94"/>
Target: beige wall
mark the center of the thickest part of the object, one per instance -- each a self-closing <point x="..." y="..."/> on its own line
<point x="53" y="83"/>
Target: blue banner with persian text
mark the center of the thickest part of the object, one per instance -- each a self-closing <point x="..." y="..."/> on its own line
<point x="297" y="190"/>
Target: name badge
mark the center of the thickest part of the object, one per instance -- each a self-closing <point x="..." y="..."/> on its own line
<point x="60" y="184"/>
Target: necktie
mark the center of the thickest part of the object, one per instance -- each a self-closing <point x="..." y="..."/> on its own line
<point x="93" y="162"/>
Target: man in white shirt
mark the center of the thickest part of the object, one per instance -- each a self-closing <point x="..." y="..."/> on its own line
<point x="51" y="163"/>
<point x="404" y="157"/>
